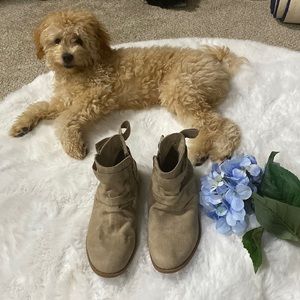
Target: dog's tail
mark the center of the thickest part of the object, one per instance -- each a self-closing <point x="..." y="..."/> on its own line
<point x="230" y="60"/>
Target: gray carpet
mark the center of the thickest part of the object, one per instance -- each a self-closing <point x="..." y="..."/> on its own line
<point x="133" y="20"/>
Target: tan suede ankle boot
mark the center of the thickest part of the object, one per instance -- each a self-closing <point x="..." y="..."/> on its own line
<point x="174" y="225"/>
<point x="111" y="236"/>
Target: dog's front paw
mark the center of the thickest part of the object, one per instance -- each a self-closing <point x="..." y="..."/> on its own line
<point x="225" y="141"/>
<point x="197" y="157"/>
<point x="75" y="148"/>
<point x="18" y="130"/>
<point x="222" y="149"/>
<point x="219" y="157"/>
<point x="80" y="152"/>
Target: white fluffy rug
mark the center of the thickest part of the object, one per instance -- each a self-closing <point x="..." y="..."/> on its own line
<point x="46" y="197"/>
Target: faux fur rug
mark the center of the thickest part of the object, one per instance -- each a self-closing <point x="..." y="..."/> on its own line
<point x="46" y="197"/>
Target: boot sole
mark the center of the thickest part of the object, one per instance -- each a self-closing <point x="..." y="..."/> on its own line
<point x="174" y="270"/>
<point x="110" y="275"/>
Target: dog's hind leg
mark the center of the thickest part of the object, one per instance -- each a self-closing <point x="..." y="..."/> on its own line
<point x="34" y="113"/>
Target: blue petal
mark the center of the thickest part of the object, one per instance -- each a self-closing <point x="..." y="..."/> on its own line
<point x="236" y="160"/>
<point x="215" y="168"/>
<point x="205" y="180"/>
<point x="239" y="228"/>
<point x="237" y="204"/>
<point x="202" y="179"/>
<point x="212" y="183"/>
<point x="207" y="184"/>
<point x="212" y="215"/>
<point x="244" y="181"/>
<point x="238" y="215"/>
<point x="204" y="200"/>
<point x="205" y="191"/>
<point x="226" y="204"/>
<point x="203" y="183"/>
<point x="245" y="162"/>
<point x="209" y="209"/>
<point x="216" y="175"/>
<point x="238" y="173"/>
<point x="252" y="159"/>
<point x="243" y="191"/>
<point x="257" y="178"/>
<point x="230" y="220"/>
<point x="209" y="181"/>
<point x="222" y="189"/>
<point x="227" y="166"/>
<point x="254" y="170"/>
<point x="215" y="199"/>
<point x="222" y="226"/>
<point x="230" y="183"/>
<point x="231" y="195"/>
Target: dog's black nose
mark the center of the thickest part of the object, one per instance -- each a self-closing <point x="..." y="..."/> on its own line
<point x="67" y="58"/>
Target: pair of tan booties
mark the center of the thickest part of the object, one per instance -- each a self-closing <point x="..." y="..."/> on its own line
<point x="173" y="223"/>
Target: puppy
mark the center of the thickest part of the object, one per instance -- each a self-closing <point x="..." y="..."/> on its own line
<point x="92" y="80"/>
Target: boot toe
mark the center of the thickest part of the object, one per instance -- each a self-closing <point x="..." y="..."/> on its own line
<point x="169" y="256"/>
<point x="111" y="257"/>
<point x="171" y="247"/>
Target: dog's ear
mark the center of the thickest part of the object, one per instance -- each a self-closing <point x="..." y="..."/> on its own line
<point x="102" y="36"/>
<point x="37" y="41"/>
<point x="99" y="32"/>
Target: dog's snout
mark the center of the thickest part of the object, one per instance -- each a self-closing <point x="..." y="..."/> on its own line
<point x="67" y="58"/>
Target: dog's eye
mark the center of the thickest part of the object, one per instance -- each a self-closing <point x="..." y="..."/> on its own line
<point x="79" y="41"/>
<point x="57" y="41"/>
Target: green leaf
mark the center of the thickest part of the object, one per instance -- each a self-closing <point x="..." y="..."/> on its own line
<point x="277" y="217"/>
<point x="279" y="183"/>
<point x="252" y="242"/>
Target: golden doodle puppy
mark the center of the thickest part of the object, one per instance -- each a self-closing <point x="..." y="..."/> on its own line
<point x="92" y="80"/>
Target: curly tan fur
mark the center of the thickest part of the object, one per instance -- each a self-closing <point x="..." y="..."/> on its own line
<point x="99" y="79"/>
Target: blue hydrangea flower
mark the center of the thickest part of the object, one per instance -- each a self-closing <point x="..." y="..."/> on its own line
<point x="226" y="188"/>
